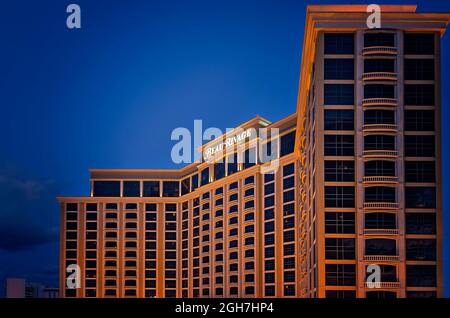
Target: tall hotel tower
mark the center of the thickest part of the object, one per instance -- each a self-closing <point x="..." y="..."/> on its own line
<point x="357" y="190"/>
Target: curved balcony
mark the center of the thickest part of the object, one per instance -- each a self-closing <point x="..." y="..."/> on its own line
<point x="384" y="50"/>
<point x="381" y="258"/>
<point x="380" y="102"/>
<point x="386" y="128"/>
<point x="379" y="76"/>
<point x="381" y="205"/>
<point x="381" y="231"/>
<point x="380" y="180"/>
<point x="386" y="285"/>
<point x="380" y="153"/>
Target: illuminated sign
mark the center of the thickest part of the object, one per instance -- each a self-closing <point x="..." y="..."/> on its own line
<point x="229" y="142"/>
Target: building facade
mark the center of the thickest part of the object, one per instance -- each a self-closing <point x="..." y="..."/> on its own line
<point x="356" y="187"/>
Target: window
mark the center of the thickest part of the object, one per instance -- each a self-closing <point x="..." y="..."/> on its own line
<point x="204" y="176"/>
<point x="379" y="91"/>
<point x="340" y="274"/>
<point x="232" y="163"/>
<point x="419" y="120"/>
<point x="379" y="168"/>
<point x="420" y="197"/>
<point x="339" y="197"/>
<point x="420" y="171"/>
<point x="418" y="43"/>
<point x="185" y="186"/>
<point x="379" y="142"/>
<point x="379" y="65"/>
<point x="338" y="94"/>
<point x="419" y="69"/>
<point x="338" y="69"/>
<point x="131" y="189"/>
<point x="340" y="248"/>
<point x="380" y="247"/>
<point x="419" y="146"/>
<point x="151" y="189"/>
<point x="106" y="189"/>
<point x="340" y="294"/>
<point x="419" y="94"/>
<point x="421" y="249"/>
<point x="249" y="158"/>
<point x="421" y="275"/>
<point x="381" y="294"/>
<point x="171" y="189"/>
<point x="388" y="273"/>
<point x="339" y="119"/>
<point x="287" y="143"/>
<point x="338" y="43"/>
<point x="378" y="116"/>
<point x="380" y="220"/>
<point x="339" y="145"/>
<point x="339" y="170"/>
<point x="420" y="223"/>
<point x="379" y="194"/>
<point x="194" y="181"/>
<point x="379" y="39"/>
<point x="339" y="222"/>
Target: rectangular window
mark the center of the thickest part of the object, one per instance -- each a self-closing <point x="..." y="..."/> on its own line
<point x="338" y="43"/>
<point x="419" y="120"/>
<point x="171" y="189"/>
<point x="338" y="69"/>
<point x="339" y="197"/>
<point x="379" y="39"/>
<point x="339" y="222"/>
<point x="379" y="65"/>
<point x="287" y="144"/>
<point x="185" y="186"/>
<point x="420" y="223"/>
<point x="340" y="274"/>
<point x="339" y="119"/>
<point x="340" y="248"/>
<point x="419" y="94"/>
<point x="339" y="170"/>
<point x="338" y="94"/>
<point x="420" y="171"/>
<point x="421" y="275"/>
<point x="106" y="189"/>
<point x="339" y="145"/>
<point x="419" y="146"/>
<point x="131" y="189"/>
<point x="420" y="197"/>
<point x="419" y="43"/>
<point x="419" y="69"/>
<point x="151" y="189"/>
<point x="421" y="249"/>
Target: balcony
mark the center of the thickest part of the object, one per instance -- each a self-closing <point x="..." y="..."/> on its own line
<point x="386" y="128"/>
<point x="381" y="231"/>
<point x="381" y="205"/>
<point x="380" y="180"/>
<point x="386" y="285"/>
<point x="380" y="102"/>
<point x="379" y="76"/>
<point x="381" y="258"/>
<point x="383" y="50"/>
<point x="380" y="153"/>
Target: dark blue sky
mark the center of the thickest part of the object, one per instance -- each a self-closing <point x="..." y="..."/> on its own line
<point x="109" y="95"/>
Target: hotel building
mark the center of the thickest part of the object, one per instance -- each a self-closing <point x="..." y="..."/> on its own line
<point x="357" y="183"/>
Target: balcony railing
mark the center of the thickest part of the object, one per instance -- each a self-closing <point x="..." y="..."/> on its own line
<point x="380" y="102"/>
<point x="383" y="76"/>
<point x="380" y="179"/>
<point x="375" y="285"/>
<point x="380" y="128"/>
<point x="379" y="50"/>
<point x="381" y="231"/>
<point x="381" y="205"/>
<point x="380" y="153"/>
<point x="381" y="258"/>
